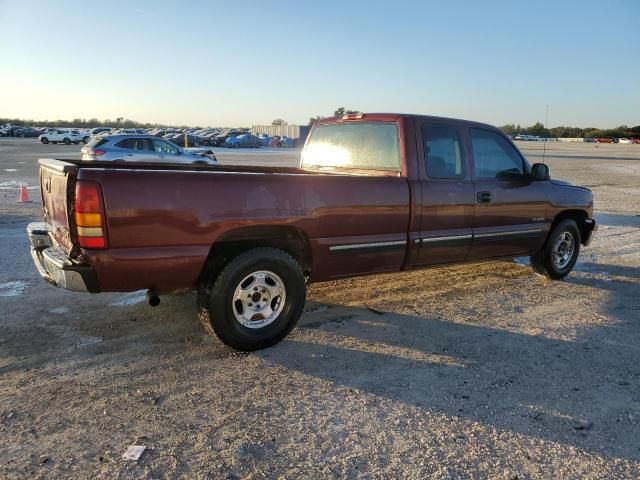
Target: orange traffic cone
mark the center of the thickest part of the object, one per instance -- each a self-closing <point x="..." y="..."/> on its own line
<point x="24" y="194"/>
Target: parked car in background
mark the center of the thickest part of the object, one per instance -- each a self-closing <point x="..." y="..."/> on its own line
<point x="179" y="139"/>
<point x="14" y="129"/>
<point x="635" y="140"/>
<point x="26" y="132"/>
<point x="604" y="140"/>
<point x="627" y="141"/>
<point x="219" y="139"/>
<point x="93" y="132"/>
<point x="4" y="131"/>
<point x="246" y="140"/>
<point x="141" y="148"/>
<point x="129" y="131"/>
<point x="55" y="135"/>
<point x="264" y="139"/>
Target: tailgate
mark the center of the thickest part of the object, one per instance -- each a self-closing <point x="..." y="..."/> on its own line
<point x="57" y="184"/>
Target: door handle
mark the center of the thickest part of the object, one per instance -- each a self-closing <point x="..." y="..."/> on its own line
<point x="484" y="197"/>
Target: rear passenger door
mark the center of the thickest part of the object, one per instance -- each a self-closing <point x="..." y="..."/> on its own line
<point x="510" y="208"/>
<point x="447" y="195"/>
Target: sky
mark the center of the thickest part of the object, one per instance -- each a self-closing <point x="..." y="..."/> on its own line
<point x="245" y="63"/>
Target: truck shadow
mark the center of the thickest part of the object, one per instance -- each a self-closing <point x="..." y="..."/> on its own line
<point x="576" y="390"/>
<point x="617" y="220"/>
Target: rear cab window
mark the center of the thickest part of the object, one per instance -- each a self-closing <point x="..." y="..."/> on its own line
<point x="444" y="154"/>
<point x="353" y="145"/>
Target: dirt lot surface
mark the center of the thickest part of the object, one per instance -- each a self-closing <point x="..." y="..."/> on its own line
<point x="474" y="371"/>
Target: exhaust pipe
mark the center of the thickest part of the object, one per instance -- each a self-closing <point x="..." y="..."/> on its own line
<point x="153" y="298"/>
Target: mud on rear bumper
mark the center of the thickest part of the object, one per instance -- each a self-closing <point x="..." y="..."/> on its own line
<point x="55" y="266"/>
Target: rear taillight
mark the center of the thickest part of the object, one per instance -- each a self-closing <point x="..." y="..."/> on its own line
<point x="97" y="153"/>
<point x="89" y="215"/>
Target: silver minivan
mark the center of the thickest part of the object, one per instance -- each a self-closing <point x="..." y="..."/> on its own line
<point x="141" y="148"/>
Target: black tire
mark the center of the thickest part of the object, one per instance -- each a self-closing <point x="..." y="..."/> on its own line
<point x="55" y="143"/>
<point x="216" y="305"/>
<point x="85" y="140"/>
<point x="67" y="141"/>
<point x="45" y="140"/>
<point x="236" y="145"/>
<point x="544" y="261"/>
<point x="76" y="143"/>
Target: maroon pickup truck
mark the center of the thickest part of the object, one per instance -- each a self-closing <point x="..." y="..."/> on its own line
<point x="372" y="193"/>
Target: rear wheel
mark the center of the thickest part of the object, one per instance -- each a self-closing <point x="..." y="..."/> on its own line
<point x="560" y="252"/>
<point x="255" y="301"/>
<point x="44" y="140"/>
<point x="67" y="141"/>
<point x="85" y="140"/>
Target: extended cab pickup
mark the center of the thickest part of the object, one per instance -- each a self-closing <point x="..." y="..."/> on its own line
<point x="372" y="193"/>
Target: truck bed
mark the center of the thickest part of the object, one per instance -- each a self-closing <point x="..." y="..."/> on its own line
<point x="163" y="219"/>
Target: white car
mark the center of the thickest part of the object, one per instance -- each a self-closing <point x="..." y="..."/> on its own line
<point x="55" y="135"/>
<point x="625" y="140"/>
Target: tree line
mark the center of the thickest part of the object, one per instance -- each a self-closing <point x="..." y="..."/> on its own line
<point x="539" y="129"/>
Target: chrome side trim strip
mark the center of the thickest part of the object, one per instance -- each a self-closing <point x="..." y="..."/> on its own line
<point x="447" y="238"/>
<point x="360" y="246"/>
<point x="510" y="233"/>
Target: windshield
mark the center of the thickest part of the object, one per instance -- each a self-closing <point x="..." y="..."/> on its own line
<point x="361" y="145"/>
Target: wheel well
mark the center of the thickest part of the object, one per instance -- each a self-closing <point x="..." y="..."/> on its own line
<point x="578" y="215"/>
<point x="290" y="239"/>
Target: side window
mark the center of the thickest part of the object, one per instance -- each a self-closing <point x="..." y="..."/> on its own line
<point x="133" y="144"/>
<point x="443" y="151"/>
<point x="164" y="147"/>
<point x="494" y="156"/>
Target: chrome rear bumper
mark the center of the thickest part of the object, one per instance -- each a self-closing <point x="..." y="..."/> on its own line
<point x="55" y="266"/>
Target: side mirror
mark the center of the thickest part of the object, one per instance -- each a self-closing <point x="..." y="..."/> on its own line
<point x="539" y="172"/>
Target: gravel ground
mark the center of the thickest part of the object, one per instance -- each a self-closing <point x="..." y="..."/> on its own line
<point x="468" y="371"/>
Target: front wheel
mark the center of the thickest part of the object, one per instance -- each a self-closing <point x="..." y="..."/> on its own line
<point x="45" y="140"/>
<point x="255" y="301"/>
<point x="560" y="252"/>
<point x="67" y="141"/>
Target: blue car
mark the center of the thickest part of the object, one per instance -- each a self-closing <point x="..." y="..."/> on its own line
<point x="246" y="141"/>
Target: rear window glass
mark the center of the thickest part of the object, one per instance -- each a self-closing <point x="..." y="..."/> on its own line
<point x="95" y="142"/>
<point x="366" y="145"/>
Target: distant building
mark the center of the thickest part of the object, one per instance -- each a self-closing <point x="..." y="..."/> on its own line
<point x="297" y="132"/>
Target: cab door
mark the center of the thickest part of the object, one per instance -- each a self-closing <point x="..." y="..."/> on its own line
<point x="447" y="194"/>
<point x="510" y="214"/>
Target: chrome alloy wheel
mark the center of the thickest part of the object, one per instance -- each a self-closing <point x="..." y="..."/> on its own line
<point x="258" y="299"/>
<point x="563" y="249"/>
